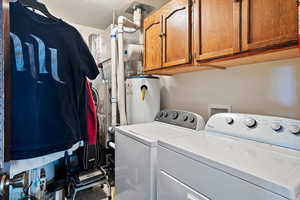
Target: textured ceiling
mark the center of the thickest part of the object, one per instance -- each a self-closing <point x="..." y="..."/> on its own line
<point x="93" y="13"/>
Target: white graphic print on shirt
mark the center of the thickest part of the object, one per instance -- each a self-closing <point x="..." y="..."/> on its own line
<point x="19" y="57"/>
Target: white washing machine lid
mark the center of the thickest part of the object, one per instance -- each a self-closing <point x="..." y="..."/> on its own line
<point x="273" y="168"/>
<point x="150" y="133"/>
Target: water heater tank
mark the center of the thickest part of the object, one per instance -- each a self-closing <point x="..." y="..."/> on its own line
<point x="142" y="98"/>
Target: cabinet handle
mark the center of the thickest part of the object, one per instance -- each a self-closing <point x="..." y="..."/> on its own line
<point x="162" y="35"/>
<point x="236" y="1"/>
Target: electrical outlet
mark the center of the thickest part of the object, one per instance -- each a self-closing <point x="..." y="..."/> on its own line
<point x="215" y="109"/>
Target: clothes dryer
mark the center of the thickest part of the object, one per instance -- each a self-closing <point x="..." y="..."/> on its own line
<point x="237" y="157"/>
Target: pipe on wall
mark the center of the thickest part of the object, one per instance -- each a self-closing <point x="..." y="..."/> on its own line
<point x="114" y="75"/>
<point x="121" y="77"/>
<point x="123" y="22"/>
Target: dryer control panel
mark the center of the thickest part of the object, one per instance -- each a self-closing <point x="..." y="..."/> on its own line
<point x="181" y="118"/>
<point x="266" y="129"/>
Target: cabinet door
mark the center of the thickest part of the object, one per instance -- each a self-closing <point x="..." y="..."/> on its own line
<point x="176" y="33"/>
<point x="153" y="43"/>
<point x="216" y="28"/>
<point x="268" y="22"/>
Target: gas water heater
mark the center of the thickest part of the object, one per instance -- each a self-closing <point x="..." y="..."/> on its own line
<point x="142" y="98"/>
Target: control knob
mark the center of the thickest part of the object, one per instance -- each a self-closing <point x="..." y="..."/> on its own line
<point x="295" y="129"/>
<point x="174" y="115"/>
<point x="192" y="119"/>
<point x="166" y="114"/>
<point x="276" y="126"/>
<point x="229" y="120"/>
<point x="185" y="117"/>
<point x="250" y="122"/>
<point x="161" y="114"/>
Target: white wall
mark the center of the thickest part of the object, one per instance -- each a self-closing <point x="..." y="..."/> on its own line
<point x="93" y="13"/>
<point x="271" y="88"/>
<point x="86" y="31"/>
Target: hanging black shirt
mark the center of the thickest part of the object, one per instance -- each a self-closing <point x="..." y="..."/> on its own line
<point x="49" y="64"/>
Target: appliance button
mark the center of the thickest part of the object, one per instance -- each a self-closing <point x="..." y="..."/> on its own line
<point x="229" y="120"/>
<point x="295" y="129"/>
<point x="161" y="114"/>
<point x="276" y="126"/>
<point x="185" y="117"/>
<point x="166" y="114"/>
<point x="192" y="119"/>
<point x="174" y="115"/>
<point x="250" y="122"/>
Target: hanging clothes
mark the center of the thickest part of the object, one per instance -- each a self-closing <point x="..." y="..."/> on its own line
<point x="49" y="65"/>
<point x="91" y="116"/>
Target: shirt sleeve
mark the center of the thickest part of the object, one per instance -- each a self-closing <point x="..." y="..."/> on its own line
<point x="86" y="61"/>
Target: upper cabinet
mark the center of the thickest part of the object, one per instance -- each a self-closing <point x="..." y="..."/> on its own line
<point x="191" y="35"/>
<point x="268" y="22"/>
<point x="176" y="33"/>
<point x="168" y="36"/>
<point x="153" y="42"/>
<point x="216" y="28"/>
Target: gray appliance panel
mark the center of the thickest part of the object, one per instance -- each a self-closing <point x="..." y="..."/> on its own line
<point x="179" y="118"/>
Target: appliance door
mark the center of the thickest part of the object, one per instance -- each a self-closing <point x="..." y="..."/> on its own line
<point x="212" y="182"/>
<point x="171" y="189"/>
<point x="134" y="175"/>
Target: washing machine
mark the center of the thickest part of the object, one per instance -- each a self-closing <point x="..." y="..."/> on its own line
<point x="136" y="151"/>
<point x="237" y="157"/>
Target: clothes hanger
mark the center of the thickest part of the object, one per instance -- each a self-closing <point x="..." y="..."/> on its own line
<point x="38" y="6"/>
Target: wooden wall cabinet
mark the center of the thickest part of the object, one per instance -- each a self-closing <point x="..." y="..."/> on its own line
<point x="168" y="36"/>
<point x="216" y="28"/>
<point x="153" y="42"/>
<point x="191" y="34"/>
<point x="268" y="22"/>
<point x="176" y="33"/>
